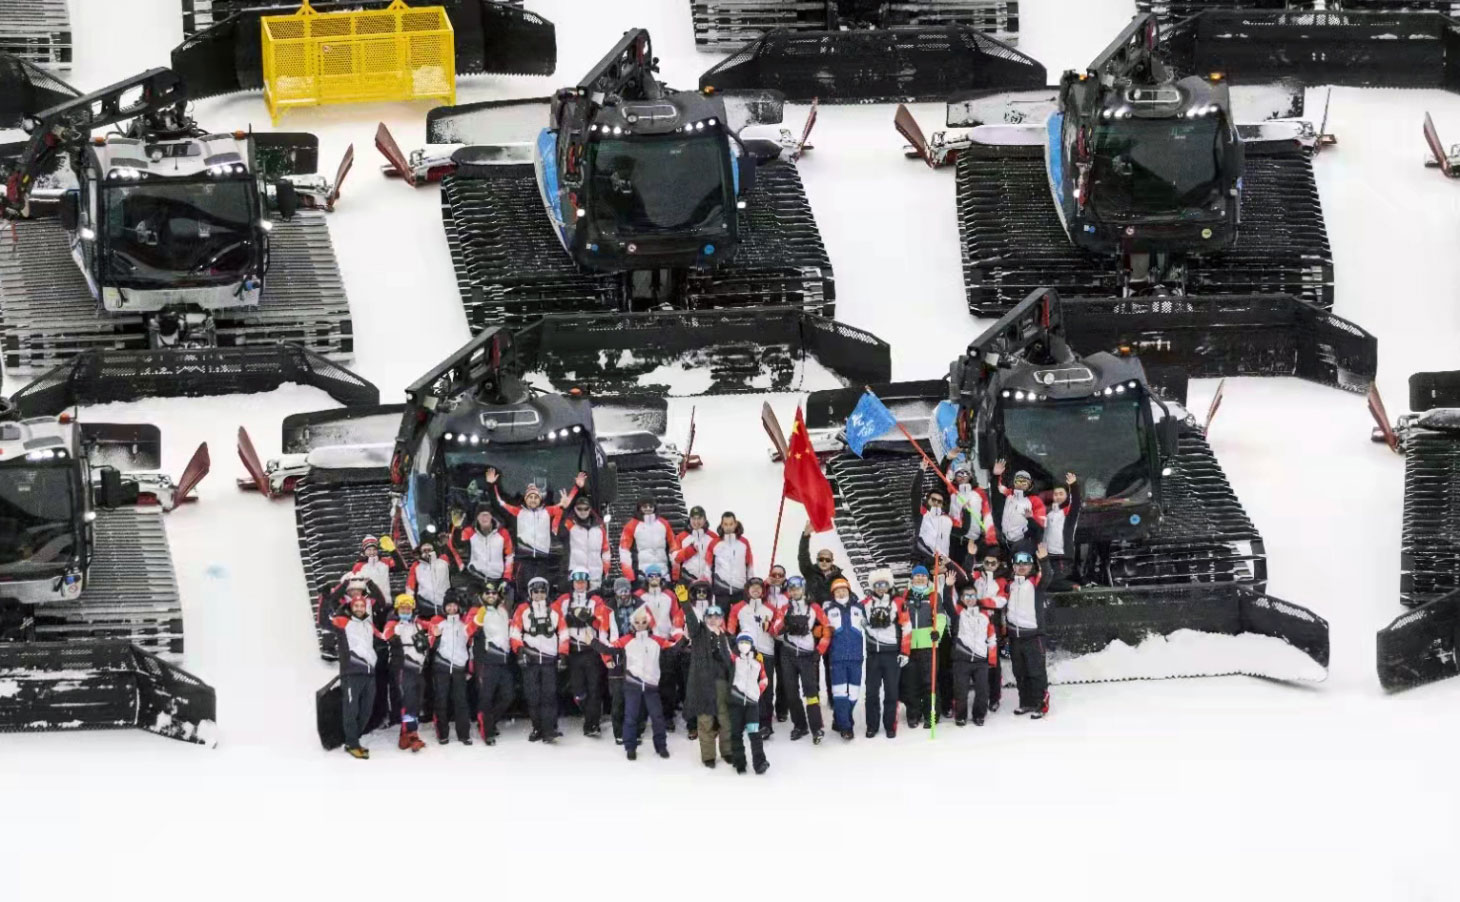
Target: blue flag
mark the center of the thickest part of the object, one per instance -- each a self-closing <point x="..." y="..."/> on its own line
<point x="870" y="419"/>
<point x="943" y="431"/>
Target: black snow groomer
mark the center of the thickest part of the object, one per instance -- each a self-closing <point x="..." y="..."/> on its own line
<point x="853" y="51"/>
<point x="1172" y="571"/>
<point x="415" y="471"/>
<point x="37" y="31"/>
<point x="646" y="232"/>
<point x="221" y="52"/>
<point x="727" y="25"/>
<point x="161" y="259"/>
<point x="1135" y="184"/>
<point x="1172" y="11"/>
<point x="91" y="627"/>
<point x="1423" y="645"/>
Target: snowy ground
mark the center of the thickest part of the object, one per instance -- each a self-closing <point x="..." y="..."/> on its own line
<point x="1183" y="788"/>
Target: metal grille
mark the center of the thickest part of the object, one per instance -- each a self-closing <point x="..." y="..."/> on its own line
<point x="727" y="25"/>
<point x="37" y="31"/>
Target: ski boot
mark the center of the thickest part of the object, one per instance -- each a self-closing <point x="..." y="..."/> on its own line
<point x="740" y="768"/>
<point x="466" y="740"/>
<point x="692" y="735"/>
<point x="978" y="721"/>
<point x="535" y="735"/>
<point x="662" y="753"/>
<point x="872" y="732"/>
<point x="405" y="739"/>
<point x="442" y="739"/>
<point x="961" y="722"/>
<point x="592" y="730"/>
<point x="1042" y="710"/>
<point x="891" y="732"/>
<point x="632" y="754"/>
<point x="817" y="736"/>
<point x="798" y="732"/>
<point x="416" y="743"/>
<point x="762" y="767"/>
<point x="849" y="735"/>
<point x="551" y="736"/>
<point x="358" y="752"/>
<point x="709" y="762"/>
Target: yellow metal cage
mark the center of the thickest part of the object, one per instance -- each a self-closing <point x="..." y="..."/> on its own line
<point x="396" y="53"/>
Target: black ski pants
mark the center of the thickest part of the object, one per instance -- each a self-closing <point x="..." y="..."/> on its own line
<point x="526" y="569"/>
<point x="884" y="679"/>
<point x="1027" y="653"/>
<point x="409" y="685"/>
<point x="802" y="676"/>
<point x="639" y="698"/>
<point x="742" y="712"/>
<point x="585" y="681"/>
<point x="917" y="685"/>
<point x="540" y="687"/>
<point x="970" y="676"/>
<point x="494" y="694"/>
<point x="357" y="701"/>
<point x="782" y="703"/>
<point x="448" y="684"/>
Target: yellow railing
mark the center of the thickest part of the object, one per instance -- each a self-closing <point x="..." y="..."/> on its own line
<point x="396" y="53"/>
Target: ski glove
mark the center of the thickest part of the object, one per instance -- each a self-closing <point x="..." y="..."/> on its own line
<point x="902" y="660"/>
<point x="934" y="636"/>
<point x="387" y="544"/>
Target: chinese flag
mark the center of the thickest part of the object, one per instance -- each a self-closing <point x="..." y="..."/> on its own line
<point x="804" y="480"/>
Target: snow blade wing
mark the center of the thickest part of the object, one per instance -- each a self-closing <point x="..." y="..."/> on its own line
<point x="1228" y="335"/>
<point x="26" y="90"/>
<point x="1437" y="149"/>
<point x="102" y="685"/>
<point x="889" y="64"/>
<point x="490" y="38"/>
<point x="129" y="447"/>
<point x="1420" y="647"/>
<point x="683" y="353"/>
<point x="192" y="474"/>
<point x="1398" y="49"/>
<point x="102" y="376"/>
<point x="1150" y="633"/>
<point x="907" y="126"/>
<point x="488" y="122"/>
<point x="385" y="143"/>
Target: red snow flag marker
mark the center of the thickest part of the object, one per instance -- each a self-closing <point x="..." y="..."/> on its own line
<point x="1215" y="405"/>
<point x="804" y="481"/>
<point x="1384" y="432"/>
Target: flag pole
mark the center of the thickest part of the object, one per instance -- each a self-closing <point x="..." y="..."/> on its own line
<point x="933" y="672"/>
<point x="918" y="448"/>
<point x="776" y="543"/>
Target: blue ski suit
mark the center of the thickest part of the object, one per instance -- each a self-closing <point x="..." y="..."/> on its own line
<point x="848" y="623"/>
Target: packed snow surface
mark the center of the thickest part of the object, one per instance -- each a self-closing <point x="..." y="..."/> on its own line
<point x="1188" y="653"/>
<point x="1177" y="789"/>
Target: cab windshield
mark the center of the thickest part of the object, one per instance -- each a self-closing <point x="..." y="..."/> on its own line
<point x="179" y="232"/>
<point x="1103" y="442"/>
<point x="550" y="467"/>
<point x="660" y="185"/>
<point x="36" y="529"/>
<point x="1156" y="166"/>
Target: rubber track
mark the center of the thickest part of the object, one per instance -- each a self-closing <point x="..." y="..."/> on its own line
<point x="728" y="25"/>
<point x="1013" y="241"/>
<point x="333" y="514"/>
<point x="37" y="31"/>
<point x="1430" y="538"/>
<point x="511" y="268"/>
<point x="48" y="314"/>
<point x="1205" y="535"/>
<point x="131" y="589"/>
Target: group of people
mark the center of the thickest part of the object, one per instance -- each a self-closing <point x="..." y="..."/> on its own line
<point x="526" y="598"/>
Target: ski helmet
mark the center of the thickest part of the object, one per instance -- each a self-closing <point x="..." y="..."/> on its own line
<point x="1023" y="557"/>
<point x="537" y="584"/>
<point x="653" y="572"/>
<point x="714" y="610"/>
<point x="743" y="640"/>
<point x="840" y="583"/>
<point x="579" y="576"/>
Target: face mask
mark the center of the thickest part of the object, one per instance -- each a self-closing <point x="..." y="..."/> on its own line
<point x="405" y="616"/>
<point x="746" y="648"/>
<point x="935" y="508"/>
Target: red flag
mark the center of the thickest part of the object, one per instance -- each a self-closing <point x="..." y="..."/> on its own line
<point x="804" y="480"/>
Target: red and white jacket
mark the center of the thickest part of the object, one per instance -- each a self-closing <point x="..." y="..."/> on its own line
<point x="896" y="636"/>
<point x="648" y="540"/>
<point x="935" y="531"/>
<point x="377" y="571"/>
<point x="993" y="591"/>
<point x="429" y="581"/>
<point x="1019" y="509"/>
<point x="588" y="548"/>
<point x="749" y="679"/>
<point x="1023" y="610"/>
<point x="451" y="638"/>
<point x="536" y="525"/>
<point x="691" y="558"/>
<point x="754" y="618"/>
<point x="807" y="643"/>
<point x="971" y="504"/>
<point x="490" y="553"/>
<point x="975" y="640"/>
<point x="730" y="560"/>
<point x="357" y="648"/>
<point x="641" y="656"/>
<point x="580" y="638"/>
<point x="664" y="610"/>
<point x="491" y="631"/>
<point x="405" y="631"/>
<point x="539" y="647"/>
